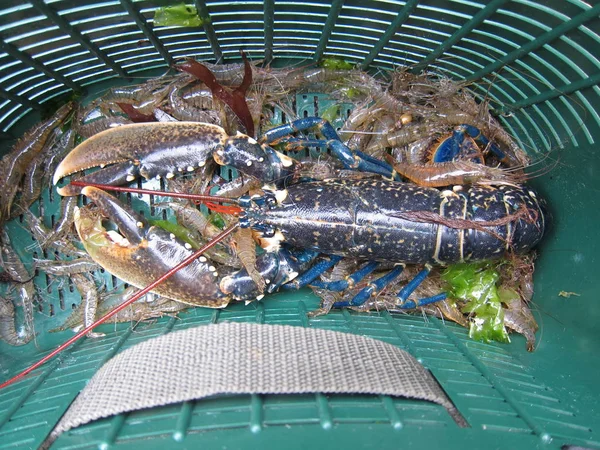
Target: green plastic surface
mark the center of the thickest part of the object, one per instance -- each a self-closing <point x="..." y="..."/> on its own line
<point x="538" y="63"/>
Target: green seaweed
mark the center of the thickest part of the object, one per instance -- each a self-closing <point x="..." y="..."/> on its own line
<point x="331" y="114"/>
<point x="217" y="220"/>
<point x="476" y="284"/>
<point x="336" y="64"/>
<point x="181" y="232"/>
<point x="180" y="15"/>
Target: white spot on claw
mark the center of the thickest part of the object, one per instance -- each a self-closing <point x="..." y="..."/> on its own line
<point x="249" y="163"/>
<point x="212" y="268"/>
<point x="130" y="178"/>
<point x="260" y="297"/>
<point x="203" y="259"/>
<point x="190" y="168"/>
<point x="170" y="175"/>
<point x="140" y="225"/>
<point x="172" y="236"/>
<point x="188" y="246"/>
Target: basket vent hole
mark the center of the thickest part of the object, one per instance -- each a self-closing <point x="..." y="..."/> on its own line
<point x="73" y="306"/>
<point x="51" y="310"/>
<point x="48" y="284"/>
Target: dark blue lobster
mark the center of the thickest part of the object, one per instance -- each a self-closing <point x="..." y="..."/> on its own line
<point x="306" y="227"/>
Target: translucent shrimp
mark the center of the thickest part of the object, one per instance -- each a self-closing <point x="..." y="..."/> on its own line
<point x="8" y="331"/>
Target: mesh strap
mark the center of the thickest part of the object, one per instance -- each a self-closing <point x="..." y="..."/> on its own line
<point x="243" y="358"/>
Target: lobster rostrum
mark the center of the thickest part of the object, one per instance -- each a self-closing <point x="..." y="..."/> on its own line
<point x="305" y="227"/>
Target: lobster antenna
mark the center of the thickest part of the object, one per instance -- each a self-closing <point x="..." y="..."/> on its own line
<point x="222" y="235"/>
<point x="196" y="197"/>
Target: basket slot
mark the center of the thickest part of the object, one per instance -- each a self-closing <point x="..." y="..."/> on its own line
<point x="208" y="29"/>
<point x="135" y="14"/>
<point x="463" y="31"/>
<point x="334" y="12"/>
<point x="30" y="62"/>
<point x="76" y="35"/>
<point x="538" y="42"/>
<point x="553" y="93"/>
<point x="400" y="19"/>
<point x="19" y="99"/>
<point x="269" y="10"/>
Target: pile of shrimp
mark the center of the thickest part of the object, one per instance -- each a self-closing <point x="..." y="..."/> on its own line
<point x="400" y="116"/>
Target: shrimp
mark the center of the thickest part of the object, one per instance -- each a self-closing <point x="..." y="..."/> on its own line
<point x="246" y="250"/>
<point x="14" y="165"/>
<point x="8" y="332"/>
<point x="453" y="173"/>
<point x="153" y="306"/>
<point x="89" y="299"/>
<point x="66" y="267"/>
<point x="10" y="261"/>
<point x="182" y="110"/>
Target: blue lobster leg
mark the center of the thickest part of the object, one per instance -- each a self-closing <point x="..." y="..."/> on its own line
<point x="362" y="296"/>
<point x="463" y="137"/>
<point x="351" y="280"/>
<point x="409" y="289"/>
<point x="350" y="159"/>
<point x="311" y="274"/>
<point x="374" y="287"/>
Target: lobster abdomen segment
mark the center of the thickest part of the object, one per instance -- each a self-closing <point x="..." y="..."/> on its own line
<point x="385" y="220"/>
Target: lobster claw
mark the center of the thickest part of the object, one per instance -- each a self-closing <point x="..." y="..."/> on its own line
<point x="140" y="253"/>
<point x="144" y="149"/>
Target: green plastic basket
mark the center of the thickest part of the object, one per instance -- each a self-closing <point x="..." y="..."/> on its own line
<point x="537" y="62"/>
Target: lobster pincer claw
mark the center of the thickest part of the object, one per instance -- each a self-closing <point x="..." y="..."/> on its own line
<point x="146" y="149"/>
<point x="140" y="253"/>
<point x="163" y="149"/>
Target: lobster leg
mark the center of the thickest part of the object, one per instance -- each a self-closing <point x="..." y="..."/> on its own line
<point x="351" y="280"/>
<point x="372" y="289"/>
<point x="310" y="275"/>
<point x="463" y="141"/>
<point x="351" y="159"/>
<point x="377" y="285"/>
<point x="411" y="286"/>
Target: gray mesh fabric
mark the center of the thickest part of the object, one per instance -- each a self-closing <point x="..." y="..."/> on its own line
<point x="237" y="358"/>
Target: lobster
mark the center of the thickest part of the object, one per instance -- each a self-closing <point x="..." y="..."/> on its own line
<point x="372" y="219"/>
<point x="305" y="228"/>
